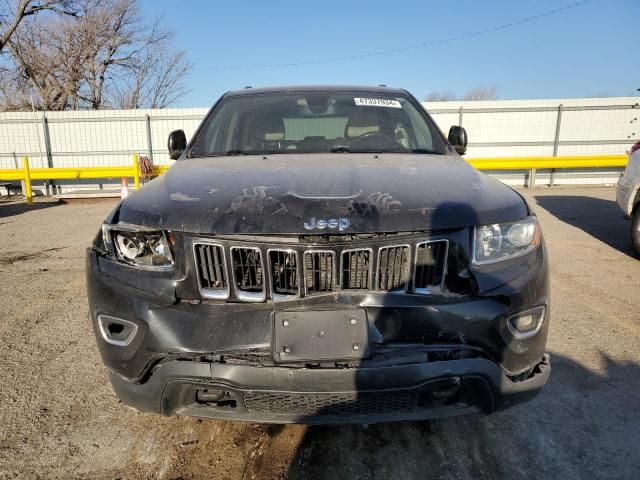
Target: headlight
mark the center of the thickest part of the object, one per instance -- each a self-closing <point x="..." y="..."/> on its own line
<point x="140" y="247"/>
<point x="501" y="241"/>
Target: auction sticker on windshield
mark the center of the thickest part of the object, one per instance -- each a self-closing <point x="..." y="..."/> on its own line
<point x="377" y="102"/>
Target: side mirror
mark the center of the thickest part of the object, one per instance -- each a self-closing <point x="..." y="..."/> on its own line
<point x="458" y="138"/>
<point x="177" y="143"/>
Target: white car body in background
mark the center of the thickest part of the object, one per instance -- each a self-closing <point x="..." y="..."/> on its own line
<point x="629" y="183"/>
<point x="628" y="193"/>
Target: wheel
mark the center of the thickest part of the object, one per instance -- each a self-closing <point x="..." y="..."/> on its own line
<point x="635" y="228"/>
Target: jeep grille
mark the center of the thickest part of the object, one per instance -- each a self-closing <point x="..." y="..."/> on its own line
<point x="280" y="272"/>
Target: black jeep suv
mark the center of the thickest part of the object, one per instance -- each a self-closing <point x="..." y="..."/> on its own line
<point x="321" y="255"/>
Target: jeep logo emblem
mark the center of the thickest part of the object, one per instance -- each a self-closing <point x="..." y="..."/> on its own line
<point x="340" y="223"/>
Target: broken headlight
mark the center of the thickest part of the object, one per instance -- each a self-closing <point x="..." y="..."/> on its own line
<point x="501" y="241"/>
<point x="138" y="246"/>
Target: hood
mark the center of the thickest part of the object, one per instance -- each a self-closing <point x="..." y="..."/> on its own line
<point x="353" y="193"/>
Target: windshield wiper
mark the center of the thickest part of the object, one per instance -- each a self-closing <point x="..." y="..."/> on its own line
<point x="426" y="150"/>
<point x="230" y="153"/>
<point x="340" y="149"/>
<point x="334" y="149"/>
<point x="347" y="149"/>
<point x="257" y="152"/>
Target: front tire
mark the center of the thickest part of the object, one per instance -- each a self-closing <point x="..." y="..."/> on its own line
<point x="635" y="228"/>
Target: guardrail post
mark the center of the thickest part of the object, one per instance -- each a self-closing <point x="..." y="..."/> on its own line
<point x="27" y="180"/>
<point x="136" y="171"/>
<point x="460" y="116"/>
<point x="556" y="143"/>
<point x="149" y="142"/>
<point x="531" y="182"/>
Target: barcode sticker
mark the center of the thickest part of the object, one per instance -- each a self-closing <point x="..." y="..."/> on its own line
<point x="377" y="102"/>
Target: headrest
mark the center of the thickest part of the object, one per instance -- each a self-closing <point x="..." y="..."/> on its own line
<point x="364" y="120"/>
<point x="272" y="128"/>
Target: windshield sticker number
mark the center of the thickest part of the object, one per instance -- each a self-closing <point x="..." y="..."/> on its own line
<point x="377" y="102"/>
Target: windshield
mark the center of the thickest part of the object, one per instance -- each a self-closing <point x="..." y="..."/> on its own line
<point x="315" y="123"/>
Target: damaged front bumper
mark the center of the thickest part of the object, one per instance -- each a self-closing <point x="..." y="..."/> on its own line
<point x="417" y="391"/>
<point x="427" y="356"/>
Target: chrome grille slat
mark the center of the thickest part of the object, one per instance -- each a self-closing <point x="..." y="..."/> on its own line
<point x="211" y="270"/>
<point x="319" y="271"/>
<point x="248" y="273"/>
<point x="393" y="268"/>
<point x="216" y="263"/>
<point x="284" y="272"/>
<point x="430" y="265"/>
<point x="356" y="269"/>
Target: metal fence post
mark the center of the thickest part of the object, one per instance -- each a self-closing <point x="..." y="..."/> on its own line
<point x="460" y="116"/>
<point x="23" y="186"/>
<point x="149" y="141"/>
<point x="27" y="180"/>
<point x="556" y="143"/>
<point x="47" y="146"/>
<point x="531" y="182"/>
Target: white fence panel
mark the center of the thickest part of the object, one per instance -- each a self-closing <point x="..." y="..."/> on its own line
<point x="496" y="128"/>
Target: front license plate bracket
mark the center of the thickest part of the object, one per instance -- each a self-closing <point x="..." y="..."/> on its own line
<point x="320" y="335"/>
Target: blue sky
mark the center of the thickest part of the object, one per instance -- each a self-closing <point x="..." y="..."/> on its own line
<point x="588" y="50"/>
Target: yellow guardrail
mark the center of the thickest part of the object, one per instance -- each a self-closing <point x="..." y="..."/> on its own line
<point x="28" y="174"/>
<point x="528" y="163"/>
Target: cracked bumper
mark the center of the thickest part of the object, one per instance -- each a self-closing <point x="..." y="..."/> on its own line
<point x="315" y="396"/>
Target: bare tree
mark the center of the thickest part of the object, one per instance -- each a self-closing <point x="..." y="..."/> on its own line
<point x="104" y="57"/>
<point x="440" y="97"/>
<point x="157" y="80"/>
<point x="116" y="42"/>
<point x="482" y="93"/>
<point x="45" y="69"/>
<point x="10" y="20"/>
<point x="478" y="93"/>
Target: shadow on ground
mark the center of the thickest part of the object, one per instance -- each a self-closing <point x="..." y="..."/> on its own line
<point x="600" y="218"/>
<point x="12" y="208"/>
<point x="582" y="425"/>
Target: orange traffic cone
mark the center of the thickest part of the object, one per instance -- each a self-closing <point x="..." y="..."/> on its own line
<point x="125" y="188"/>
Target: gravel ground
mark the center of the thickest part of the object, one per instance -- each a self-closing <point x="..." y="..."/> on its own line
<point x="60" y="419"/>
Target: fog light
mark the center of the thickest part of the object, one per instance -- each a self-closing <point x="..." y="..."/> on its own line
<point x="527" y="324"/>
<point x="116" y="331"/>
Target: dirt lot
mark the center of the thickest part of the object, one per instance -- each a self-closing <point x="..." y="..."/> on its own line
<point x="60" y="419"/>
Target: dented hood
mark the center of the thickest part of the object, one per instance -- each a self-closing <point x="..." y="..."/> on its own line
<point x="278" y="194"/>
